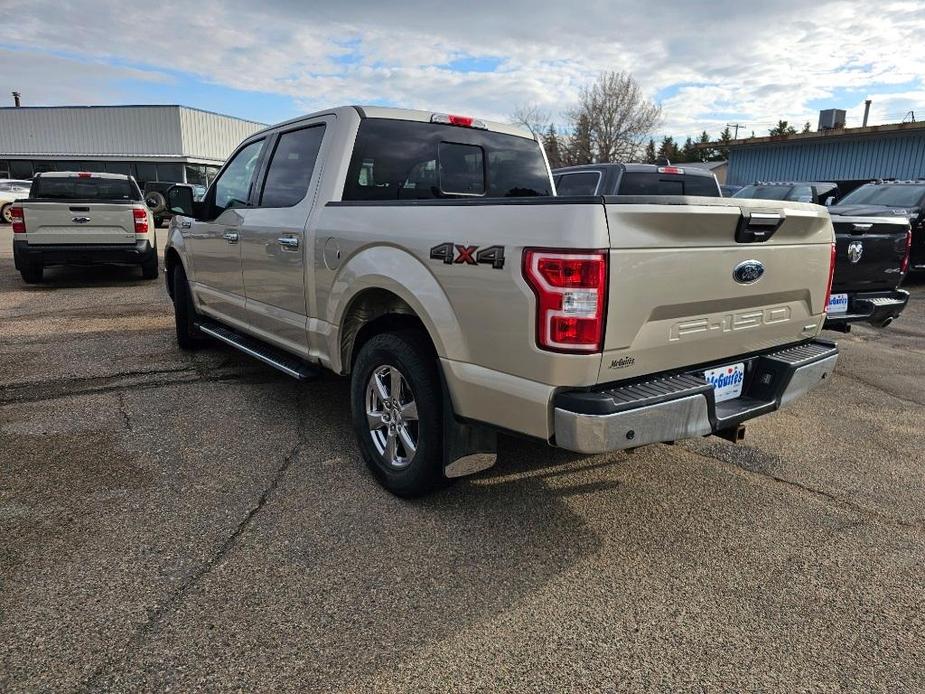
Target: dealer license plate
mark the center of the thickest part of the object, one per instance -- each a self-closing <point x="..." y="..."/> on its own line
<point x="838" y="303"/>
<point x="726" y="381"/>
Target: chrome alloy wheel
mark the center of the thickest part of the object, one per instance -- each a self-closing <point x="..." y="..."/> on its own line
<point x="392" y="415"/>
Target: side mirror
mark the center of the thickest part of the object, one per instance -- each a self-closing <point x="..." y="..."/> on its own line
<point x="180" y="201"/>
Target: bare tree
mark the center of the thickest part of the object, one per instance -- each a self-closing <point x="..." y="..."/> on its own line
<point x="618" y="116"/>
<point x="533" y="117"/>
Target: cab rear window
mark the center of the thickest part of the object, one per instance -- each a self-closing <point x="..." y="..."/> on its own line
<point x="89" y="188"/>
<point x="640" y="183"/>
<point x="409" y="160"/>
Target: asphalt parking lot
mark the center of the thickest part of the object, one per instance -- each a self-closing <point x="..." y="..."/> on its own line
<point x="200" y="521"/>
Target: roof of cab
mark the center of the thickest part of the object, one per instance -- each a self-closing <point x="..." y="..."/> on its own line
<point x="403" y="114"/>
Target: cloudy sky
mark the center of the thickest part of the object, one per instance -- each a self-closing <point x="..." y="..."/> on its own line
<point x="706" y="63"/>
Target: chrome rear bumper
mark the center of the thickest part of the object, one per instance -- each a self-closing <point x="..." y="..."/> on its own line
<point x="680" y="406"/>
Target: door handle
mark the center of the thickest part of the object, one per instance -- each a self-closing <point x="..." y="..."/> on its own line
<point x="288" y="241"/>
<point x="230" y="236"/>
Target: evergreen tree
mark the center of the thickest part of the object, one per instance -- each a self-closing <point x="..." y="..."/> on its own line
<point x="807" y="127"/>
<point x="581" y="148"/>
<point x="706" y="153"/>
<point x="668" y="149"/>
<point x="551" y="145"/>
<point x="782" y="128"/>
<point x="689" y="152"/>
<point x="651" y="155"/>
<point x="722" y="152"/>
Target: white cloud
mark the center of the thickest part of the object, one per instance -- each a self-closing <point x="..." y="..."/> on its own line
<point x="756" y="64"/>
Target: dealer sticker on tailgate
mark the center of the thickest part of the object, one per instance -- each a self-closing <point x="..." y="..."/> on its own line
<point x="726" y="381"/>
<point x="838" y="303"/>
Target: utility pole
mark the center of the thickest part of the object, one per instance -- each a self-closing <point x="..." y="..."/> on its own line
<point x="736" y="126"/>
<point x="16" y="101"/>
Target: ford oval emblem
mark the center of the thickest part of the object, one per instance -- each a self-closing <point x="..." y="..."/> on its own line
<point x="748" y="272"/>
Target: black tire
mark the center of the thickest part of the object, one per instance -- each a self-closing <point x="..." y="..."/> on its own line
<point x="32" y="274"/>
<point x="149" y="269"/>
<point x="5" y="217"/>
<point x="156" y="201"/>
<point x="188" y="335"/>
<point x="408" y="352"/>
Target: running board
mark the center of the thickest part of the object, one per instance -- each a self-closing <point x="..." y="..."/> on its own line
<point x="288" y="364"/>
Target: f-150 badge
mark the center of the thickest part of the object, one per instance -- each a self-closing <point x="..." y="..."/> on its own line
<point x="460" y="254"/>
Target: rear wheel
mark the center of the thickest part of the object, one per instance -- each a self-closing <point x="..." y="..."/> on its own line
<point x="6" y="213"/>
<point x="149" y="268"/>
<point x="188" y="335"/>
<point x="32" y="274"/>
<point x="395" y="403"/>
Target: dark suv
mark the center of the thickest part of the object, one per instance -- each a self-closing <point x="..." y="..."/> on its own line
<point x="635" y="179"/>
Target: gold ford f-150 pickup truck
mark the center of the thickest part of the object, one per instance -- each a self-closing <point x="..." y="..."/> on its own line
<point x="427" y="257"/>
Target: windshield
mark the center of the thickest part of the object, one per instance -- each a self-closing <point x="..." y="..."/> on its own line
<point x="641" y="183"/>
<point x="796" y="193"/>
<point x="886" y="194"/>
<point x="84" y="188"/>
<point x="763" y="192"/>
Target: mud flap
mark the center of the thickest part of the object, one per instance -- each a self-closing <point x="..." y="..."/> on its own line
<point x="467" y="448"/>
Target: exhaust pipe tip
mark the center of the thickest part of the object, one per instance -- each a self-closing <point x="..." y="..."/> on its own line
<point x="885" y="322"/>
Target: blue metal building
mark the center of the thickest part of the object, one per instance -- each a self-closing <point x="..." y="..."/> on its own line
<point x="844" y="155"/>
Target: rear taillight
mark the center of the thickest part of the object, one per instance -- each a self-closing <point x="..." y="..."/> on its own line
<point x="19" y="222"/>
<point x="904" y="266"/>
<point x="828" y="291"/>
<point x="571" y="293"/>
<point x="141" y="220"/>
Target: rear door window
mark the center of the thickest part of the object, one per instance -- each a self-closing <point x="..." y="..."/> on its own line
<point x="644" y="183"/>
<point x="88" y="188"/>
<point x="291" y="167"/>
<point x="579" y="183"/>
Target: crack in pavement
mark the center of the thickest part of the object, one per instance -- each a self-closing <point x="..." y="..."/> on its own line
<point x="799" y="487"/>
<point x="94" y="385"/>
<point x="124" y="412"/>
<point x="158" y="614"/>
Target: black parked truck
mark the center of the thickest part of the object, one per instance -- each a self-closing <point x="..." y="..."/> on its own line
<point x="872" y="251"/>
<point x="635" y="179"/>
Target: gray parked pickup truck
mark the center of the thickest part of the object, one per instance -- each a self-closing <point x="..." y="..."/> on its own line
<point x="635" y="179"/>
<point x="425" y="256"/>
<point x="82" y="218"/>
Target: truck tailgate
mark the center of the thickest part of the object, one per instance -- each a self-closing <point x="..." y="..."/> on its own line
<point x="78" y="223"/>
<point x="869" y="252"/>
<point x="674" y="299"/>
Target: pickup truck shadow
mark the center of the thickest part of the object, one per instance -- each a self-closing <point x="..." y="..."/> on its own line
<point x="410" y="573"/>
<point x="89" y="276"/>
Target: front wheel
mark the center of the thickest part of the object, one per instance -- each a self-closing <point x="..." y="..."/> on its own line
<point x="395" y="403"/>
<point x="188" y="335"/>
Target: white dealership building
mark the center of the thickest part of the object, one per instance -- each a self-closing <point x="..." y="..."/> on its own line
<point x="152" y="143"/>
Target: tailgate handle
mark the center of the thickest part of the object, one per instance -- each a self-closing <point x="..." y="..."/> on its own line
<point x="79" y="209"/>
<point x="757" y="227"/>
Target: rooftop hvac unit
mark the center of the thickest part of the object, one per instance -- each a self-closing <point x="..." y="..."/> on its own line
<point x="831" y="118"/>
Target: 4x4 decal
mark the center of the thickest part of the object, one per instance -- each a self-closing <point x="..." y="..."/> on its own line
<point x="457" y="253"/>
